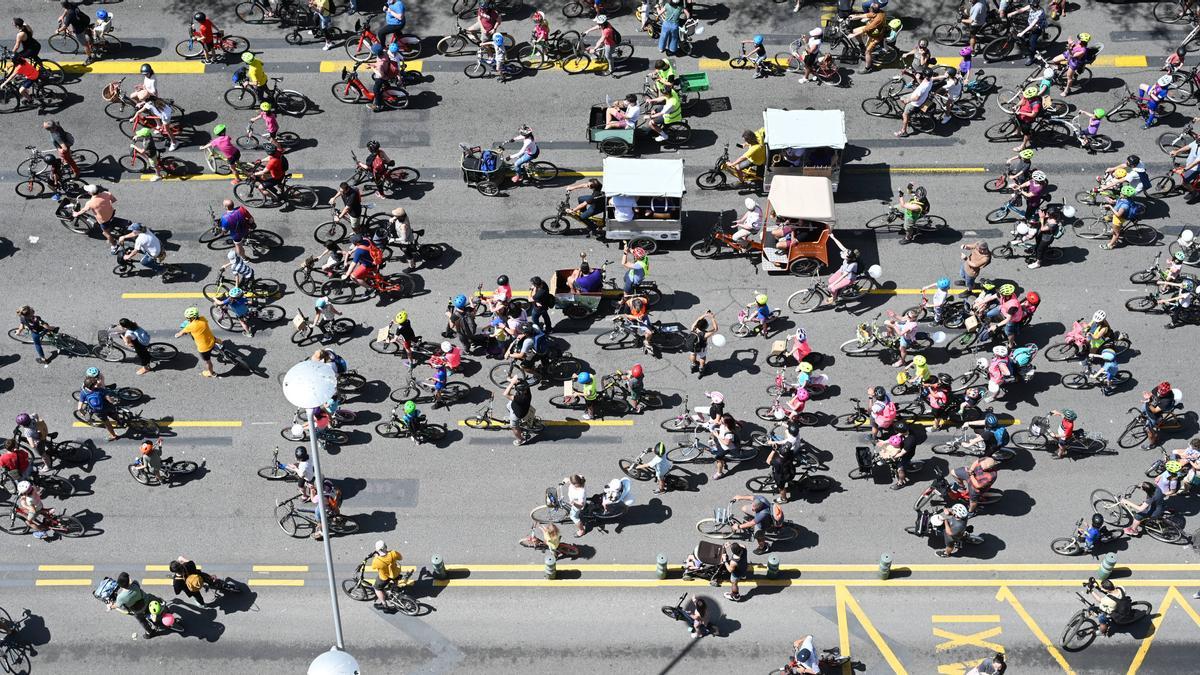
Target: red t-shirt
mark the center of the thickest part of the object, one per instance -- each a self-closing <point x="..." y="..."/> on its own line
<point x="609" y="34"/>
<point x="206" y="30"/>
<point x="1068" y="427"/>
<point x="14" y="461"/>
<point x="28" y="71"/>
<point x="275" y="167"/>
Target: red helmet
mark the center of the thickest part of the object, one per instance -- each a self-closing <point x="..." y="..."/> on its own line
<point x="636" y="370"/>
<point x="1163" y="388"/>
<point x="1033" y="298"/>
<point x="638" y="252"/>
<point x="436" y="361"/>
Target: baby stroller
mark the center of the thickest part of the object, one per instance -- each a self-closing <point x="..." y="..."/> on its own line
<point x="481" y="168"/>
<point x="705" y="563"/>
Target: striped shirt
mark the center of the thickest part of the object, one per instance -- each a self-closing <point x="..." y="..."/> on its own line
<point x="241" y="268"/>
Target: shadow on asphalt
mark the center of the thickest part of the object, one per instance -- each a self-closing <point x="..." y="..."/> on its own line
<point x="376" y="521"/>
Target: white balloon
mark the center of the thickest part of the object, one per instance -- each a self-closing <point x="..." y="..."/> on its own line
<point x="875" y="271"/>
<point x="718" y="340"/>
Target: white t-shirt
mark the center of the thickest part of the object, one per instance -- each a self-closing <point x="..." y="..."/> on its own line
<point x="632" y="113"/>
<point x="811" y="662"/>
<point x="623" y="208"/>
<point x="305" y="471"/>
<point x="752" y="220"/>
<point x="150" y="84"/>
<point x="576" y="494"/>
<point x="939" y="298"/>
<point x="812" y="45"/>
<point x="147" y="243"/>
<point x="921" y="93"/>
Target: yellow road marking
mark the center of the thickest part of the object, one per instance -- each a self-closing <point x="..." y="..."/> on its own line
<point x="336" y="66"/>
<point x="965" y="618"/>
<point x="66" y="568"/>
<point x="180" y="423"/>
<point x="170" y="295"/>
<point x="1004" y="594"/>
<point x="979" y="639"/>
<point x="280" y="568"/>
<point x="844" y="600"/>
<point x="930" y="567"/>
<point x="161" y="568"/>
<point x="1172" y="596"/>
<point x="580" y="174"/>
<point x="63" y="582"/>
<point x="152" y="581"/>
<point x="1121" y="61"/>
<point x="805" y="583"/>
<point x="525" y="294"/>
<point x="135" y="67"/>
<point x="276" y="582"/>
<point x="199" y="176"/>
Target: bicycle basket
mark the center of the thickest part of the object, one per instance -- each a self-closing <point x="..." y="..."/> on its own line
<point x="721" y="514"/>
<point x="551" y="497"/>
<point x="112" y="92"/>
<point x="1037" y="426"/>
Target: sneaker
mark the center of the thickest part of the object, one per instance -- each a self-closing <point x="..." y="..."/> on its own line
<point x="945" y="119"/>
<point x="812" y="78"/>
<point x="328" y="46"/>
<point x="587" y="416"/>
<point x="39" y="535"/>
<point x="516" y="442"/>
<point x="803" y="80"/>
<point x="206" y="373"/>
<point x="718" y="475"/>
<point x="660" y="138"/>
<point x="42" y="361"/>
<point x="731" y="596"/>
<point x="379" y="605"/>
<point x="696" y="636"/>
<point x="155" y="178"/>
<point x="1196" y="595"/>
<point x="897" y="486"/>
<point x="942" y="553"/>
<point x="658" y="492"/>
<point x="172" y="147"/>
<point x="761" y="550"/>
<point x="113" y="249"/>
<point x="143" y="370"/>
<point x="1034" y="265"/>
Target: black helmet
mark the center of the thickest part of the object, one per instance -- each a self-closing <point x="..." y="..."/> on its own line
<point x="146" y="69"/>
<point x="660" y="449"/>
<point x="526" y="328"/>
<point x="199" y="16"/>
<point x="49" y="158"/>
<point x="1132" y="161"/>
<point x="269" y="148"/>
<point x="878" y="393"/>
<point x="1097" y="520"/>
<point x="919" y="192"/>
<point x="945" y="380"/>
<point x="372" y="145"/>
<point x="301" y="454"/>
<point x="502" y="280"/>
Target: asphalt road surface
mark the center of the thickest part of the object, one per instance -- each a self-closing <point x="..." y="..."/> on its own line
<point x="467" y="499"/>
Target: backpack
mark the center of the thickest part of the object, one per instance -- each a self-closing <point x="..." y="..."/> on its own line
<point x="94" y="399"/>
<point x="106" y="590"/>
<point x="1022" y="356"/>
<point x="1136" y="209"/>
<point x="67" y="136"/>
<point x="287" y="167"/>
<point x="487" y="161"/>
<point x="376" y="253"/>
<point x="239" y="75"/>
<point x="887" y="415"/>
<point x="1123" y="607"/>
<point x="1089" y="55"/>
<point x="141" y="336"/>
<point x="616" y="35"/>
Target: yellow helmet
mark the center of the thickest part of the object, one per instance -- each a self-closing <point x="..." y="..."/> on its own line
<point x="1085" y="37"/>
<point x="401" y="317"/>
<point x="1120" y="173"/>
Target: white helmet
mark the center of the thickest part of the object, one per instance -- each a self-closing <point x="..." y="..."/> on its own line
<point x="1099" y="316"/>
<point x="614" y="484"/>
<point x="1186" y="237"/>
<point x="1048" y="73"/>
<point x="1164" y="81"/>
<point x="816" y="32"/>
<point x="380" y="546"/>
<point x="1000" y="351"/>
<point x="446" y="347"/>
<point x="750" y="204"/>
<point x="601" y="19"/>
<point x="1039" y="176"/>
<point x="982" y="362"/>
<point x="23" y="487"/>
<point x="959" y="511"/>
<point x="91" y="189"/>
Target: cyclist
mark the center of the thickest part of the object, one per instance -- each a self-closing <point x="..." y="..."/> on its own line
<point x="197" y="326"/>
<point x="243" y="273"/>
<point x="519" y="406"/>
<point x="131" y="599"/>
<point x="1132" y="171"/>
<point x="487" y="21"/>
<point x="393" y="21"/>
<point x="1066" y="428"/>
<point x="147" y="247"/>
<point x="761" y="314"/>
<point x="460" y="320"/>
<point x="1189" y="457"/>
<point x="805" y="660"/>
<point x="30" y="509"/>
<point x="237" y="222"/>
<point x="899" y="449"/>
<point x="604" y="44"/>
<point x="322" y="10"/>
<point x="1019" y="168"/>
<point x="1036" y="23"/>
<point x="937" y="392"/>
<point x="1152" y="96"/>
<point x="256" y="76"/>
<point x="975" y="20"/>
<point x="1171" y="481"/>
<point x="541" y="302"/>
<point x="266" y="113"/>
<point x="1189" y="171"/>
<point x="954" y="528"/>
<point x="1106" y="375"/>
<point x="93" y="396"/>
<point x="810" y="55"/>
<point x="1124" y="210"/>
<point x="305" y="474"/>
<point x="638" y="317"/>
<point x="33" y="429"/>
<point x="25" y="45"/>
<point x="915" y="100"/>
<point x="635" y="383"/>
<point x="904" y="328"/>
<point x="377" y="163"/>
<point x="222" y="143"/>
<point x="661" y="465"/>
<point x="875" y="28"/>
<point x="845" y="274"/>
<point x="363" y="261"/>
<point x="238" y="306"/>
<point x="74" y="21"/>
<point x="385" y="563"/>
<point x="938" y="301"/>
<point x="62" y="140"/>
<point x="151" y="453"/>
<point x="187" y="578"/>
<point x="977" y="477"/>
<point x="1098" y="333"/>
<point x="15" y="461"/>
<point x="1155" y="404"/>
<point x="529" y="151"/>
<point x="1075" y="56"/>
<point x="25" y="75"/>
<point x="782" y="459"/>
<point x="1026" y="114"/>
<point x="37" y="328"/>
<point x="671" y="111"/>
<point x="1112" y="600"/>
<point x="749" y="166"/>
<point x="207" y="33"/>
<point x="761" y="516"/>
<point x="352" y="207"/>
<point x="159" y="109"/>
<point x="412" y="419"/>
<point x="1178" y="306"/>
<point x="757" y="55"/>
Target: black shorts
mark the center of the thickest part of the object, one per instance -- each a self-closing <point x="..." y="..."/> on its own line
<point x="381" y="584"/>
<point x="810" y="60"/>
<point x="1023" y="126"/>
<point x="206" y="354"/>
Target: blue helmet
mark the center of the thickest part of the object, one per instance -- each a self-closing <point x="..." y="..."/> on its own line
<point x="758" y="40"/>
<point x="92" y="372"/>
<point x="102" y="15"/>
<point x="991" y="422"/>
<point x="943" y="283"/>
<point x="394" y="48"/>
<point x="584" y="377"/>
<point x="235" y="292"/>
<point x="376" y="49"/>
<point x="321" y="302"/>
<point x="460" y="301"/>
<point x="498" y="40"/>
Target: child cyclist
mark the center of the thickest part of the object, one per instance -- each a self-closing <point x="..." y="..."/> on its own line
<point x="761" y="314"/>
<point x="758" y="56"/>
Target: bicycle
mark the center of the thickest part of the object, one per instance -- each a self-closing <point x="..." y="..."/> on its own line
<point x="962" y="446"/>
<point x="261" y="11"/>
<point x="1133" y="232"/>
<point x="423" y="433"/>
<point x="557" y="508"/>
<point x="560" y="223"/>
<point x="363" y="40"/>
<point x="854" y="50"/>
<point x="871" y="339"/>
<point x="1075" y="544"/>
<point x="583" y="58"/>
<point x="687" y="420"/>
<point x="305" y="329"/>
<point x="942" y="492"/>
<point x="456" y="43"/>
<point x="244" y="96"/>
<point x="1134" y="433"/>
<point x="829" y="660"/>
<point x="1082" y="628"/>
<point x="676" y="612"/>
<point x="119" y="103"/>
<point x="34" y="166"/>
<point x="44" y="96"/>
<point x="175" y="470"/>
<point x="52" y="70"/>
<point x="132" y="422"/>
<point x="725" y="521"/>
<point x="816" y="296"/>
<point x="1122" y="111"/>
<point x="1092" y="377"/>
<point x="223" y="317"/>
<point x="118" y="396"/>
<point x="921" y="120"/>
<point x="1002" y="46"/>
<point x="894" y="220"/>
<point x="635" y="468"/>
<point x="223" y="45"/>
<point x="552" y="367"/>
<point x="109" y="347"/>
<point x="1075" y="343"/>
<point x="126" y="267"/>
<point x="350" y="89"/>
<point x="55" y="339"/>
<point x="161" y="130"/>
<point x="14" y="652"/>
<point x="302" y="524"/>
<point x="341" y="291"/>
<point x="542" y="54"/>
<point x="484" y="419"/>
<point x="954" y="311"/>
<point x="250" y="192"/>
<point x="391" y="180"/>
<point x="691" y="451"/>
<point x="225" y="353"/>
<point x="138" y="162"/>
<point x="422" y="391"/>
<point x="67" y="526"/>
<point x="626" y="333"/>
<point x="252" y="140"/>
<point x="485" y="66"/>
<point x="1073" y="127"/>
<point x="49" y="484"/>
<point x="395" y="598"/>
<point x="1167" y="528"/>
<point x="1172" y="11"/>
<point x="64" y="41"/>
<point x="564" y="549"/>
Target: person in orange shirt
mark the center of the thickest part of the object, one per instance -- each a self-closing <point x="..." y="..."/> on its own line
<point x="196" y="326"/>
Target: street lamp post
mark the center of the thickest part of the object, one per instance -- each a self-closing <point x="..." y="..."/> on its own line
<point x="308" y="385"/>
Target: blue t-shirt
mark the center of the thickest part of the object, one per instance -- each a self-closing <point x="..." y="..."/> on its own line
<point x="1091" y="537"/>
<point x="237" y="306"/>
<point x="439" y="378"/>
<point x="590" y="282"/>
<point x="94" y="398"/>
<point x="234" y="222"/>
<point x="409" y="419"/>
<point x="398" y="7"/>
<point x="762" y="312"/>
<point x="362" y="256"/>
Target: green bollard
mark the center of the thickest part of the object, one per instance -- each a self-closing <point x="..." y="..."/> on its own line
<point x="660" y="566"/>
<point x="773" y="567"/>
<point x="1106" y="566"/>
<point x="439" y="567"/>
<point x="551" y="566"/>
<point x="885" y="565"/>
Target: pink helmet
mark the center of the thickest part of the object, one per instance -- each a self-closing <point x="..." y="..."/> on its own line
<point x="895" y="440"/>
<point x="801" y="394"/>
<point x="965" y="52"/>
<point x="716" y="396"/>
<point x="168" y="619"/>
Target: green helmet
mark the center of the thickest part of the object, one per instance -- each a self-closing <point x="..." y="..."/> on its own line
<point x="1099" y="113"/>
<point x="1030" y="92"/>
<point x="1174" y="466"/>
<point x="155" y="607"/>
<point x="409" y="407"/>
<point x="247" y="57"/>
<point x="1027" y="153"/>
<point x="1008" y="289"/>
<point x="1069" y="414"/>
<point x="191" y="313"/>
<point x="142" y="133"/>
<point x="660" y="449"/>
<point x="1128" y="191"/>
<point x="219" y="130"/>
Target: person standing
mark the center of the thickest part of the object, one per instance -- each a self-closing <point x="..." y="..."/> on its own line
<point x="975" y="257"/>
<point x="196" y="326"/>
<point x="541" y="303"/>
<point x="704" y="328"/>
<point x="136" y="338"/>
<point x="62" y="141"/>
<point x="37" y="329"/>
<point x="672" y="14"/>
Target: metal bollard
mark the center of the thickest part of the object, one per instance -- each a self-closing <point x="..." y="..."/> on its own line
<point x="772" y="567"/>
<point x="885" y="565"/>
<point x="551" y="566"/>
<point x="660" y="566"/>
<point x="439" y="567"/>
<point x="1106" y="566"/>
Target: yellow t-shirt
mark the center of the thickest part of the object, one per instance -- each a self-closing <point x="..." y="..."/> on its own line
<point x="757" y="154"/>
<point x="256" y="72"/>
<point x="387" y="565"/>
<point x="202" y="334"/>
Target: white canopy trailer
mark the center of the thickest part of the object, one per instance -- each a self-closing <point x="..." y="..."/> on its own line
<point x="651" y="190"/>
<point x="804" y="143"/>
<point x="799" y="217"/>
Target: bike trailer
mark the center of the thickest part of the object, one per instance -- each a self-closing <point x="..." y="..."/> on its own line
<point x="708" y="565"/>
<point x="106" y="590"/>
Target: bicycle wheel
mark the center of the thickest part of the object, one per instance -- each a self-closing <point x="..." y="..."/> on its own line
<point x="69" y="526"/>
<point x="343" y="525"/>
<point x="709" y="527"/>
<point x="1139" y="234"/>
<point x="1066" y="546"/>
<point x="876" y="107"/>
<point x="301" y="197"/>
<point x="685" y="452"/>
<point x="240" y="98"/>
<point x="73" y="345"/>
<point x="849" y="421"/>
<point x="615" y="339"/>
<point x="1163" y="529"/>
<point x="1109" y="508"/>
<point x="711" y="180"/>
<point x="1063" y="351"/>
<point x="250" y="12"/>
<point x="246" y="193"/>
<point x="30" y="188"/>
<point x="576" y="63"/>
<point x="357" y="589"/>
<point x="949" y="34"/>
<point x="142" y="476"/>
<point x="296" y="526"/>
<point x="1169" y="11"/>
<point x="548" y="514"/>
<point x="541" y="172"/>
<point x="1133" y="435"/>
<point x="1002" y="131"/>
<point x="628" y="468"/>
<point x="999" y="49"/>
<point x="402" y="603"/>
<point x="805" y="301"/>
<point x="1080" y="632"/>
